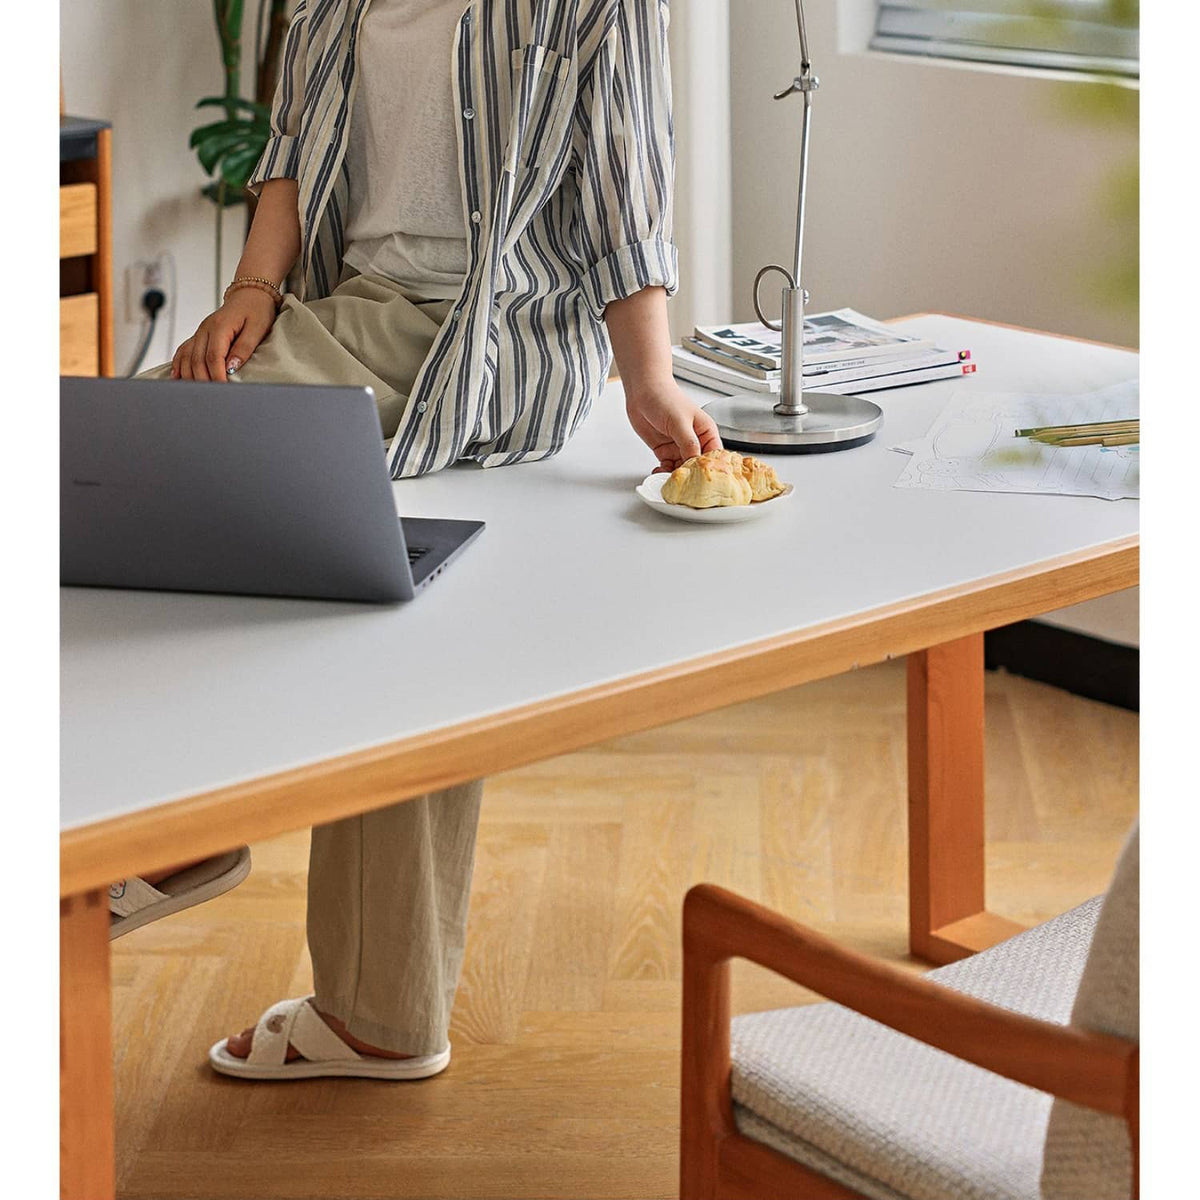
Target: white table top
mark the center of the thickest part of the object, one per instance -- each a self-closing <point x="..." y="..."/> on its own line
<point x="574" y="583"/>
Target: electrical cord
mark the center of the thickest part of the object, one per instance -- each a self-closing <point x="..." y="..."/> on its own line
<point x="153" y="300"/>
<point x="172" y="292"/>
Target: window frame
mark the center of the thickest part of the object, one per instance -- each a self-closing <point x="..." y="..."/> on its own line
<point x="1006" y="33"/>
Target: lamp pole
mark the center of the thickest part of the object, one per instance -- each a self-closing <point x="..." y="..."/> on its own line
<point x="799" y="422"/>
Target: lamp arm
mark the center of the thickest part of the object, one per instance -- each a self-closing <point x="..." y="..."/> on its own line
<point x="805" y="65"/>
<point x="822" y="421"/>
<point x="791" y="384"/>
<point x="805" y="83"/>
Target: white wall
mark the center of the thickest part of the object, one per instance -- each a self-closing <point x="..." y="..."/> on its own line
<point x="931" y="187"/>
<point x="143" y="64"/>
<point x="699" y="33"/>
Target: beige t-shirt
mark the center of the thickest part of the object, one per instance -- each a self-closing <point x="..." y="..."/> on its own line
<point x="405" y="217"/>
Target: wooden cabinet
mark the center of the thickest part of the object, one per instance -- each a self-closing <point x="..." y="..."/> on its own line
<point x="79" y="335"/>
<point x="85" y="247"/>
<point x="77" y="230"/>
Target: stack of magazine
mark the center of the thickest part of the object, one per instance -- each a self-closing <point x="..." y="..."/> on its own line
<point x="844" y="352"/>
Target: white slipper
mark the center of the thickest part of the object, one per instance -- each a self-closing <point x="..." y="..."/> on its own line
<point x="297" y="1022"/>
<point x="133" y="902"/>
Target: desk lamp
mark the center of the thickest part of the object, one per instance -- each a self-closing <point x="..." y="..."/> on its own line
<point x="801" y="422"/>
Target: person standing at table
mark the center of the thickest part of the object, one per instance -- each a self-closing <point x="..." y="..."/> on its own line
<point x="479" y="197"/>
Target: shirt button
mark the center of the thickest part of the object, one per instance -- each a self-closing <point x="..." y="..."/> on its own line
<point x="422" y="406"/>
<point x="469" y="113"/>
<point x="476" y="216"/>
<point x="456" y="314"/>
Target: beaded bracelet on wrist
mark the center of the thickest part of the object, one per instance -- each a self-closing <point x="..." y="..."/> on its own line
<point x="277" y="288"/>
<point x="262" y="285"/>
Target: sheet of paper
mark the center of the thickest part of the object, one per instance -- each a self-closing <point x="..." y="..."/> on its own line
<point x="972" y="446"/>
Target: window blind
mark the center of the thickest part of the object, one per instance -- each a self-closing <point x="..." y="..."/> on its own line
<point x="1095" y="36"/>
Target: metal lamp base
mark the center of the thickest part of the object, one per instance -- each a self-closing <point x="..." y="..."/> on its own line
<point x="749" y="422"/>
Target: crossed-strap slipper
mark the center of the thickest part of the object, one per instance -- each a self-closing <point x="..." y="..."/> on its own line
<point x="298" y="1024"/>
<point x="133" y="902"/>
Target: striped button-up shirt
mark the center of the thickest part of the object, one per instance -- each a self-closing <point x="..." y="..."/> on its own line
<point x="566" y="157"/>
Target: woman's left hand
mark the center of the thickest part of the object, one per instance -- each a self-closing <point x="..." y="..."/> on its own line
<point x="672" y="426"/>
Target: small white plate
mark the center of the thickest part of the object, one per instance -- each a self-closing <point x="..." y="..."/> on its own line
<point x="650" y="490"/>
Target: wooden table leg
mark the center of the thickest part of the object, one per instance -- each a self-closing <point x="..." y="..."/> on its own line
<point x="86" y="1154"/>
<point x="947" y="915"/>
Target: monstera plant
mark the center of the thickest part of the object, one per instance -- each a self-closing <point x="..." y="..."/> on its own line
<point x="229" y="146"/>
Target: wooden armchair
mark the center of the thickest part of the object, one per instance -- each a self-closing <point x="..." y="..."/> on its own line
<point x="1036" y="1095"/>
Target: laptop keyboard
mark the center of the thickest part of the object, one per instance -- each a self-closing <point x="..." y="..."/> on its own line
<point x="416" y="553"/>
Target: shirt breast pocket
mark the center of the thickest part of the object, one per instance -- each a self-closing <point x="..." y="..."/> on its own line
<point x="543" y="87"/>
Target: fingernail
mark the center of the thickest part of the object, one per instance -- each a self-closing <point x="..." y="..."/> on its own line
<point x="233" y="365"/>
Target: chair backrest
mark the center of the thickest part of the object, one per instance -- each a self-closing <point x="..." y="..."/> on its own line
<point x="1107" y="1001"/>
<point x="1087" y="1155"/>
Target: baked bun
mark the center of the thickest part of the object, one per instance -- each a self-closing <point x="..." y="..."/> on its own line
<point x="764" y="483"/>
<point x="709" y="481"/>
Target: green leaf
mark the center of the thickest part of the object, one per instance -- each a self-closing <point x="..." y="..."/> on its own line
<point x="203" y="132"/>
<point x="249" y="129"/>
<point x="262" y="111"/>
<point x="236" y="167"/>
<point x="210" y="152"/>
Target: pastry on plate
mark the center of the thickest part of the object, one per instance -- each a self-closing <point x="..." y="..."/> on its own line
<point x="764" y="483"/>
<point x="715" y="479"/>
<point x="709" y="481"/>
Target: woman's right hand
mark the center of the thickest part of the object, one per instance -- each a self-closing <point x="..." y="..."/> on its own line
<point x="226" y="338"/>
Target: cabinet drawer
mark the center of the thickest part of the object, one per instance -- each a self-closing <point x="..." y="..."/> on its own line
<point x="79" y="334"/>
<point x="76" y="219"/>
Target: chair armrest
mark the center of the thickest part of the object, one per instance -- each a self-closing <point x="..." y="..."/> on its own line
<point x="1091" y="1069"/>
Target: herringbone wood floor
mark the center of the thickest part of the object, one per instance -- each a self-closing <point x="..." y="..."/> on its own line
<point x="566" y="1030"/>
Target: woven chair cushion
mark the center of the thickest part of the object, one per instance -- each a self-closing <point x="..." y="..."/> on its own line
<point x="1082" y="1153"/>
<point x="894" y="1119"/>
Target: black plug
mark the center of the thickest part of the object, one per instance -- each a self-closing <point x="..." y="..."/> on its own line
<point x="152" y="301"/>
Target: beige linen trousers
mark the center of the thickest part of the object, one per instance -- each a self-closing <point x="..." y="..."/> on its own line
<point x="388" y="890"/>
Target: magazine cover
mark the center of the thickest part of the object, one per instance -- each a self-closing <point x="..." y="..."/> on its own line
<point x="828" y="337"/>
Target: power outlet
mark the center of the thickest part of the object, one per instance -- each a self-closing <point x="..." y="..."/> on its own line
<point x="139" y="278"/>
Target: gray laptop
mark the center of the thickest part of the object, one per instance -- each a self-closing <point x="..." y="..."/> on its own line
<point x="257" y="489"/>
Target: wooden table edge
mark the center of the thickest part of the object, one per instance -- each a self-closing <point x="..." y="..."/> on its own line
<point x="92" y="855"/>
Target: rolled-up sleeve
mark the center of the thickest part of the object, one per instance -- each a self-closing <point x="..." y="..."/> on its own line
<point x="627" y="168"/>
<point x="280" y="158"/>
